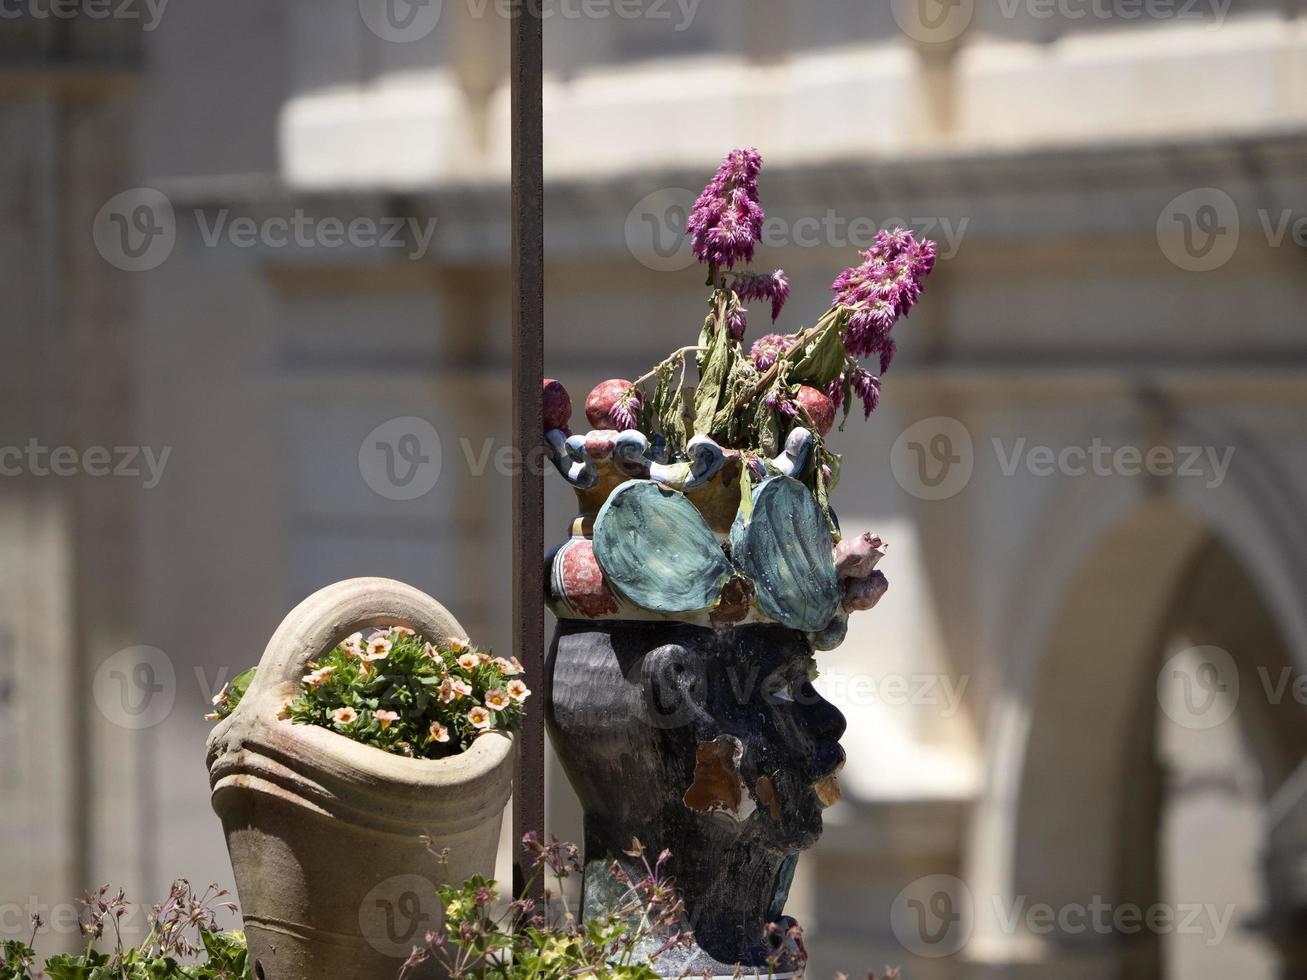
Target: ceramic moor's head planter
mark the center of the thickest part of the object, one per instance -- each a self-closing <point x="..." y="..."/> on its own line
<point x="705" y="570"/>
<point x="326" y="833"/>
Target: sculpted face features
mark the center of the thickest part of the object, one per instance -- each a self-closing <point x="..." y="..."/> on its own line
<point x="710" y="743"/>
<point x="765" y="743"/>
<point x="717" y="726"/>
<point x="750" y="745"/>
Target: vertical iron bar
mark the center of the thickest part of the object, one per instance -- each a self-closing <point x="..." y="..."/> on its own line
<point x="527" y="69"/>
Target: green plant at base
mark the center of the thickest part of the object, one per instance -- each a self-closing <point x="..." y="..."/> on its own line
<point x="480" y="941"/>
<point x="182" y="928"/>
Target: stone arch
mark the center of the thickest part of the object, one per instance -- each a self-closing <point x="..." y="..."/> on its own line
<point x="1078" y="703"/>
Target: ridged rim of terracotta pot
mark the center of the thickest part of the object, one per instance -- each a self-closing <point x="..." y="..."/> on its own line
<point x="324" y="771"/>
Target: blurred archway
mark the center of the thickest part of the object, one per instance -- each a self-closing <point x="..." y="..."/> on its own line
<point x="1160" y="679"/>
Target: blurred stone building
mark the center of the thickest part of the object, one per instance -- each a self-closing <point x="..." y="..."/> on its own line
<point x="260" y="249"/>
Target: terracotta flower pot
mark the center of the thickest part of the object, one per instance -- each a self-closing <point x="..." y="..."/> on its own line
<point x="325" y="833"/>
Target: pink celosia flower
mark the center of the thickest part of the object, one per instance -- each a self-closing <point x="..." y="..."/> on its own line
<point x="777" y="401"/>
<point x="883" y="288"/>
<point x="862" y="383"/>
<point x="867" y="387"/>
<point x="774" y="286"/>
<point x="726" y="221"/>
<point x="625" y="413"/>
<point x="737" y="323"/>
<point x="479" y="718"/>
<point x="386" y="718"/>
<point x="767" y="349"/>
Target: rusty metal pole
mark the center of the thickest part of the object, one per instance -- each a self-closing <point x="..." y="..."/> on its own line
<point x="527" y="67"/>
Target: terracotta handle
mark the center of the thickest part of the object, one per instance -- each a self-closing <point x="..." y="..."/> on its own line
<point x="325" y="618"/>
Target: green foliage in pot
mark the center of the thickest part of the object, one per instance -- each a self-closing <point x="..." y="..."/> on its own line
<point x="397" y="691"/>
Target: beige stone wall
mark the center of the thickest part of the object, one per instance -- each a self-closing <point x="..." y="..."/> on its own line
<point x="1007" y="726"/>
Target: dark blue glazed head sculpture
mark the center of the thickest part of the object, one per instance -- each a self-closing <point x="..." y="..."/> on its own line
<point x="691" y="599"/>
